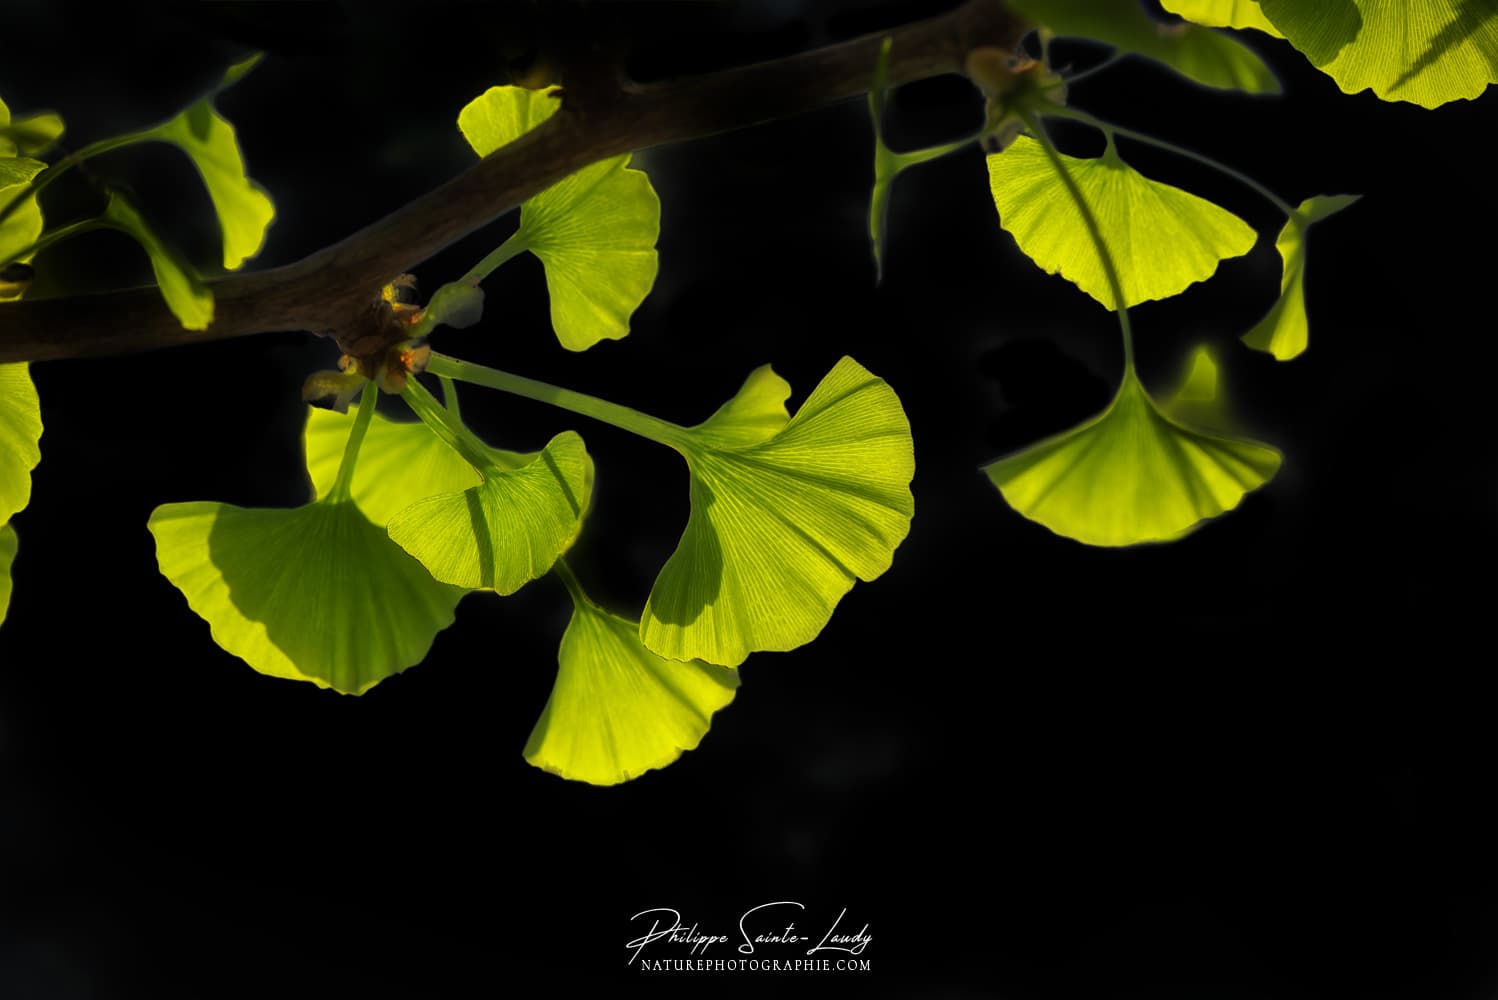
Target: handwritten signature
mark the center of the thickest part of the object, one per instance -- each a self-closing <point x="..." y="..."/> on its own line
<point x="757" y="927"/>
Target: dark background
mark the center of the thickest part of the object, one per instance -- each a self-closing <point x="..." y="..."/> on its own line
<point x="1257" y="763"/>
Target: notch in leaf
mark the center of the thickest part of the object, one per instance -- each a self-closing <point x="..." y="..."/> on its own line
<point x="1135" y="473"/>
<point x="317" y="593"/>
<point x="787" y="513"/>
<point x="1284" y="331"/>
<point x="594" y="231"/>
<point x="1164" y="239"/>
<point x="618" y="710"/>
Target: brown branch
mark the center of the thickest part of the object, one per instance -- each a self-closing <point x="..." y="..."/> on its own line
<point x="330" y="291"/>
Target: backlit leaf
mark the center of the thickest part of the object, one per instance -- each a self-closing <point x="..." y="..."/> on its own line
<point x="244" y="210"/>
<point x="1201" y="54"/>
<point x="785" y="516"/>
<point x="185" y="293"/>
<point x="24" y="225"/>
<point x="1285" y="331"/>
<point x="8" y="545"/>
<point x="20" y="434"/>
<point x="510" y="528"/>
<point x="594" y="231"/>
<point x="1133" y="474"/>
<point x="618" y="710"/>
<point x="315" y="593"/>
<point x="1427" y="52"/>
<point x="1162" y="239"/>
<point x="1223" y="14"/>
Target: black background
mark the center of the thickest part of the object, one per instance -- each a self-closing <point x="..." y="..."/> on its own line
<point x="1257" y="763"/>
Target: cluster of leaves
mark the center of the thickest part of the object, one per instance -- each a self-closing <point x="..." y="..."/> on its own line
<point x="1142" y="471"/>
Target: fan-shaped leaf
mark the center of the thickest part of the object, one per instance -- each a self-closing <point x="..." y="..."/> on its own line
<point x="510" y="528"/>
<point x="594" y="231"/>
<point x="784" y="518"/>
<point x="1162" y="239"/>
<point x="1200" y="54"/>
<point x="617" y="710"/>
<point x="8" y="544"/>
<point x="185" y="293"/>
<point x="314" y="593"/>
<point x="20" y="434"/>
<point x="21" y="229"/>
<point x="1427" y="52"/>
<point x="1223" y="14"/>
<point x="1284" y="331"/>
<point x="1132" y="474"/>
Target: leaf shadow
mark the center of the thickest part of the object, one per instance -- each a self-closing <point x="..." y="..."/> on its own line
<point x="1471" y="17"/>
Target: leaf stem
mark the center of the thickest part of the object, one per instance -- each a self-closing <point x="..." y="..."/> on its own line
<point x="72" y="160"/>
<point x="570" y="581"/>
<point x="450" y="396"/>
<point x="1093" y="229"/>
<point x="1106" y="64"/>
<point x="1109" y="129"/>
<point x="57" y="236"/>
<point x="648" y="427"/>
<point x="446" y="425"/>
<point x="343" y="486"/>
<point x="512" y="247"/>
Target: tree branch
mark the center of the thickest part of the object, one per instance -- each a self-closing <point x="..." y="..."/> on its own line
<point x="330" y="292"/>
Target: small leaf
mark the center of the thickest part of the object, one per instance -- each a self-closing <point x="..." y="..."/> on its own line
<point x="30" y="136"/>
<point x="511" y="527"/>
<point x="1427" y="52"/>
<point x="316" y="593"/>
<point x="185" y="293"/>
<point x="8" y="545"/>
<point x="1223" y="14"/>
<point x="594" y="231"/>
<point x="21" y="229"/>
<point x="1132" y="474"/>
<point x="617" y="710"/>
<point x="244" y="210"/>
<point x="1162" y="239"/>
<point x="1201" y="54"/>
<point x="20" y="434"/>
<point x="783" y="520"/>
<point x="1285" y="331"/>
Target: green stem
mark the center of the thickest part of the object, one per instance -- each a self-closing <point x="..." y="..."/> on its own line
<point x="445" y="425"/>
<point x="914" y="156"/>
<point x="343" y="486"/>
<point x="450" y="396"/>
<point x="514" y="246"/>
<point x="57" y="236"/>
<point x="569" y="580"/>
<point x="1093" y="229"/>
<point x="1057" y="111"/>
<point x="652" y="428"/>
<point x="1108" y="63"/>
<point x="72" y="160"/>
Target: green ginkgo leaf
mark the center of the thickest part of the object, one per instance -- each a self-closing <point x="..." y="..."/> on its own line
<point x="244" y="210"/>
<point x="186" y="295"/>
<point x="1427" y="52"/>
<point x="8" y="544"/>
<point x="1285" y="331"/>
<point x="1161" y="238"/>
<point x="21" y="229"/>
<point x="511" y="527"/>
<point x="1223" y="14"/>
<point x="20" y="434"/>
<point x="617" y="710"/>
<point x="1133" y="474"/>
<point x="1201" y="54"/>
<point x="594" y="231"/>
<point x="315" y="593"/>
<point x="786" y="514"/>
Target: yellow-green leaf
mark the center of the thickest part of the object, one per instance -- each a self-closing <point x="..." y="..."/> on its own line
<point x="185" y="293"/>
<point x="1284" y="331"/>
<point x="8" y="544"/>
<point x="20" y="435"/>
<point x="785" y="515"/>
<point x="1162" y="239"/>
<point x="1223" y="14"/>
<point x="21" y="229"/>
<point x="1133" y="474"/>
<point x="1427" y="52"/>
<point x="618" y="710"/>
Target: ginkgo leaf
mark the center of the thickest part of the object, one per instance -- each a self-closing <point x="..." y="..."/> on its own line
<point x="1223" y="14"/>
<point x="20" y="434"/>
<point x="1131" y="474"/>
<point x="32" y="135"/>
<point x="315" y="593"/>
<point x="1201" y="54"/>
<point x="1285" y="331"/>
<point x="1427" y="52"/>
<point x="8" y="544"/>
<point x="618" y="710"/>
<point x="594" y="231"/>
<point x="182" y="287"/>
<point x="786" y="513"/>
<point x="1162" y="239"/>
<point x="21" y="229"/>
<point x="244" y="210"/>
<point x="511" y="527"/>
